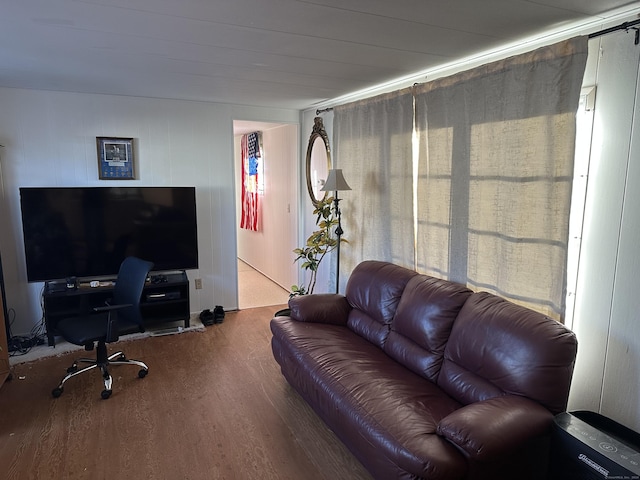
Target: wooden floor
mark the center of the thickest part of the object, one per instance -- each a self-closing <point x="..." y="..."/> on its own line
<point x="214" y="406"/>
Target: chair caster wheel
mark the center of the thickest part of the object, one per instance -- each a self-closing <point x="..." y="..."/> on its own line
<point x="105" y="394"/>
<point x="56" y="392"/>
<point x="143" y="373"/>
<point x="72" y="369"/>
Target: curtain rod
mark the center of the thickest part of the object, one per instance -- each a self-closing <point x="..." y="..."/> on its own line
<point x="622" y="26"/>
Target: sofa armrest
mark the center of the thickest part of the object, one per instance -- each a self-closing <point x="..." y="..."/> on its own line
<point x="488" y="429"/>
<point x="331" y="308"/>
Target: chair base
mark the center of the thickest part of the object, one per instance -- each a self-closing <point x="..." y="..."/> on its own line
<point x="102" y="361"/>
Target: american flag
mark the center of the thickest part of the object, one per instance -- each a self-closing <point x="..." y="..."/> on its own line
<point x="250" y="145"/>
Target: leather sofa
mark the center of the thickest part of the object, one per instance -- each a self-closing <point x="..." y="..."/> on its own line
<point x="422" y="378"/>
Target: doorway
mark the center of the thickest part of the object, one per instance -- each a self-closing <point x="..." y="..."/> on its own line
<point x="266" y="269"/>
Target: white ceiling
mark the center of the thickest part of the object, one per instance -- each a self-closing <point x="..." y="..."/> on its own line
<point x="277" y="53"/>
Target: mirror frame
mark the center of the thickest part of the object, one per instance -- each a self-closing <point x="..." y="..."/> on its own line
<point x="317" y="132"/>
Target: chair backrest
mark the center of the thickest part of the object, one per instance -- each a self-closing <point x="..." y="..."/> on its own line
<point x="129" y="285"/>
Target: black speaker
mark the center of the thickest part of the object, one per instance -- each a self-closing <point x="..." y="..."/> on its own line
<point x="587" y="445"/>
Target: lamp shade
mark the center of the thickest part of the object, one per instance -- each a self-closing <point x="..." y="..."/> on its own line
<point x="335" y="181"/>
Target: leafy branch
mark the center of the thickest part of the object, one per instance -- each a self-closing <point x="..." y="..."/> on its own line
<point x="319" y="244"/>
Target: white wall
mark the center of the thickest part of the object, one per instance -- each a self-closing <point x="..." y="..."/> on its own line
<point x="49" y="140"/>
<point x="270" y="250"/>
<point x="607" y="305"/>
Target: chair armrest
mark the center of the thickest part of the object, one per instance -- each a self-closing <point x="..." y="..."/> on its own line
<point x="113" y="332"/>
<point x="108" y="308"/>
<point x="331" y="308"/>
<point x="489" y="429"/>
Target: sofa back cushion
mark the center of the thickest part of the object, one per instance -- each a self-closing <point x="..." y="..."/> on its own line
<point x="423" y="322"/>
<point x="373" y="291"/>
<point x="497" y="348"/>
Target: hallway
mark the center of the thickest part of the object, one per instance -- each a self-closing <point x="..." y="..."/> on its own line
<point x="256" y="290"/>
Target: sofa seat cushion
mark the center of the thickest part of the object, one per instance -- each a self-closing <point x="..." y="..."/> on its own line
<point x="386" y="414"/>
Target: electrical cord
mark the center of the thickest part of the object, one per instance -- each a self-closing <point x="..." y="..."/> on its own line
<point x="22" y="344"/>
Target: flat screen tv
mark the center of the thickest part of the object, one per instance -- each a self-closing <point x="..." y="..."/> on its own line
<point x="88" y="231"/>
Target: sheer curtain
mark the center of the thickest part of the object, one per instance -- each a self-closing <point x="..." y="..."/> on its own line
<point x="372" y="146"/>
<point x="495" y="172"/>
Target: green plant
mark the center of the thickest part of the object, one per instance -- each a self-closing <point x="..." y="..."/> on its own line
<point x="319" y="244"/>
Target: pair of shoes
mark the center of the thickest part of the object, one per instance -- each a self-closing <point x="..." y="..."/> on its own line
<point x="218" y="314"/>
<point x="206" y="317"/>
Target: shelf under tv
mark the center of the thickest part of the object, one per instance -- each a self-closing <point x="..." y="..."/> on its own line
<point x="162" y="301"/>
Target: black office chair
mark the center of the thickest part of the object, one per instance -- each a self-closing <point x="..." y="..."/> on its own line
<point x="119" y="316"/>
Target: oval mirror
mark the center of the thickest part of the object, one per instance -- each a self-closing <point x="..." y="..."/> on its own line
<point x="318" y="161"/>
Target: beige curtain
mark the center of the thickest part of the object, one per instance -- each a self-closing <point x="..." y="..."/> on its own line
<point x="372" y="146"/>
<point x="495" y="174"/>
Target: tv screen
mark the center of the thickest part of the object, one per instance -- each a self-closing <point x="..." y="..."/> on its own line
<point x="88" y="231"/>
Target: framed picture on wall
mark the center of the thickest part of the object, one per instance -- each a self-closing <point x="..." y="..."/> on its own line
<point x="115" y="158"/>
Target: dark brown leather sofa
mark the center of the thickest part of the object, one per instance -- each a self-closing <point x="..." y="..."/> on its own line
<point x="422" y="378"/>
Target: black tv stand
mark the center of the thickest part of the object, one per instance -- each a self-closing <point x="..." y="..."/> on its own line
<point x="158" y="278"/>
<point x="165" y="298"/>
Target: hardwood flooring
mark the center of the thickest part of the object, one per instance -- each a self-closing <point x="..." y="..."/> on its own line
<point x="214" y="406"/>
